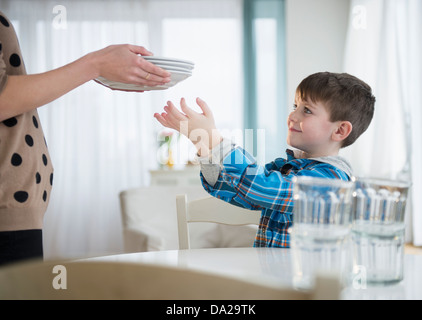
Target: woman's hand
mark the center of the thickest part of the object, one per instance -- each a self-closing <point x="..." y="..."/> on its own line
<point x="124" y="63"/>
<point x="197" y="127"/>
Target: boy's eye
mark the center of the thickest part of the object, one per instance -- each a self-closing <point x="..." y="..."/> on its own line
<point x="305" y="109"/>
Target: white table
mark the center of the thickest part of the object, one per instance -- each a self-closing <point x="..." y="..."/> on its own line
<point x="270" y="265"/>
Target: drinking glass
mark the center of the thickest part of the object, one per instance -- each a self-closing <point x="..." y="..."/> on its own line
<point x="378" y="230"/>
<point x="320" y="235"/>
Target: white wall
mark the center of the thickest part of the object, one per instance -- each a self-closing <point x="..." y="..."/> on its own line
<point x="316" y="35"/>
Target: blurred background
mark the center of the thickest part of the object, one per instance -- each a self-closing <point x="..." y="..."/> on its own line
<point x="249" y="57"/>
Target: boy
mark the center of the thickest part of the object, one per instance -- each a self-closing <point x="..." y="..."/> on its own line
<point x="330" y="112"/>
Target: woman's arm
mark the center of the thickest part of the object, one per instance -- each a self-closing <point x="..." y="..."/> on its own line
<point x="121" y="63"/>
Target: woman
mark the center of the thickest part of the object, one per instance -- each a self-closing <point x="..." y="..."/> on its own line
<point x="26" y="172"/>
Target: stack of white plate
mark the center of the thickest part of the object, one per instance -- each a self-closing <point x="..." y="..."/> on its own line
<point x="179" y="69"/>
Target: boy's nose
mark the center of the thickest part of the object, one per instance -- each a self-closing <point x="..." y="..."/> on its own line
<point x="292" y="116"/>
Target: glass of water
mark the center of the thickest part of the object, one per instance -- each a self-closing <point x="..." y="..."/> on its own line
<point x="378" y="230"/>
<point x="320" y="235"/>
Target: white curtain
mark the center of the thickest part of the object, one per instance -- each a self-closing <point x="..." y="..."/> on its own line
<point x="384" y="48"/>
<point x="102" y="141"/>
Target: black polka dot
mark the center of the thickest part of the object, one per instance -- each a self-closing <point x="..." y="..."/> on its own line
<point x="37" y="178"/>
<point x="44" y="159"/>
<point x="16" y="160"/>
<point x="10" y="122"/>
<point x="29" y="141"/>
<point x="15" y="60"/>
<point x="35" y="121"/>
<point x="4" y="21"/>
<point x="21" y="196"/>
<point x="44" y="196"/>
<point x="51" y="178"/>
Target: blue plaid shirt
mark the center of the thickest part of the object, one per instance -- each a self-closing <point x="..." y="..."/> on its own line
<point x="243" y="183"/>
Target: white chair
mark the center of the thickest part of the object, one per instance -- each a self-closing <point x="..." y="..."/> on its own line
<point x="212" y="210"/>
<point x="149" y="216"/>
<point x="124" y="281"/>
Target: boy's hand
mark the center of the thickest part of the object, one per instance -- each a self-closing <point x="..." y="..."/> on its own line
<point x="197" y="127"/>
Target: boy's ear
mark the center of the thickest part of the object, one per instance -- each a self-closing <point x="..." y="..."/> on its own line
<point x="343" y="130"/>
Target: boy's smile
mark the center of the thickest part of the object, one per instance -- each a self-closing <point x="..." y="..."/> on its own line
<point x="294" y="130"/>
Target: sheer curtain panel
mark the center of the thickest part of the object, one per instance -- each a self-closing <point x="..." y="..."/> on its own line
<point x="384" y="49"/>
<point x="103" y="141"/>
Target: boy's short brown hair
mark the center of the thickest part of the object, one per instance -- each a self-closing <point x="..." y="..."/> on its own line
<point x="346" y="97"/>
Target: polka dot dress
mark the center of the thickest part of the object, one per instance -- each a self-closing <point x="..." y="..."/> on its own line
<point x="26" y="172"/>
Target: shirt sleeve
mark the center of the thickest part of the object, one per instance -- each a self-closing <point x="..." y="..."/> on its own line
<point x="210" y="165"/>
<point x="3" y="75"/>
<point x="245" y="183"/>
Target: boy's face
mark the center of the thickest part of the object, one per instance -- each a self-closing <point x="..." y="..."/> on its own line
<point x="309" y="128"/>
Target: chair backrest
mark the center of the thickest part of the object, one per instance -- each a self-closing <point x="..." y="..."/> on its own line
<point x="124" y="281"/>
<point x="149" y="216"/>
<point x="210" y="209"/>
